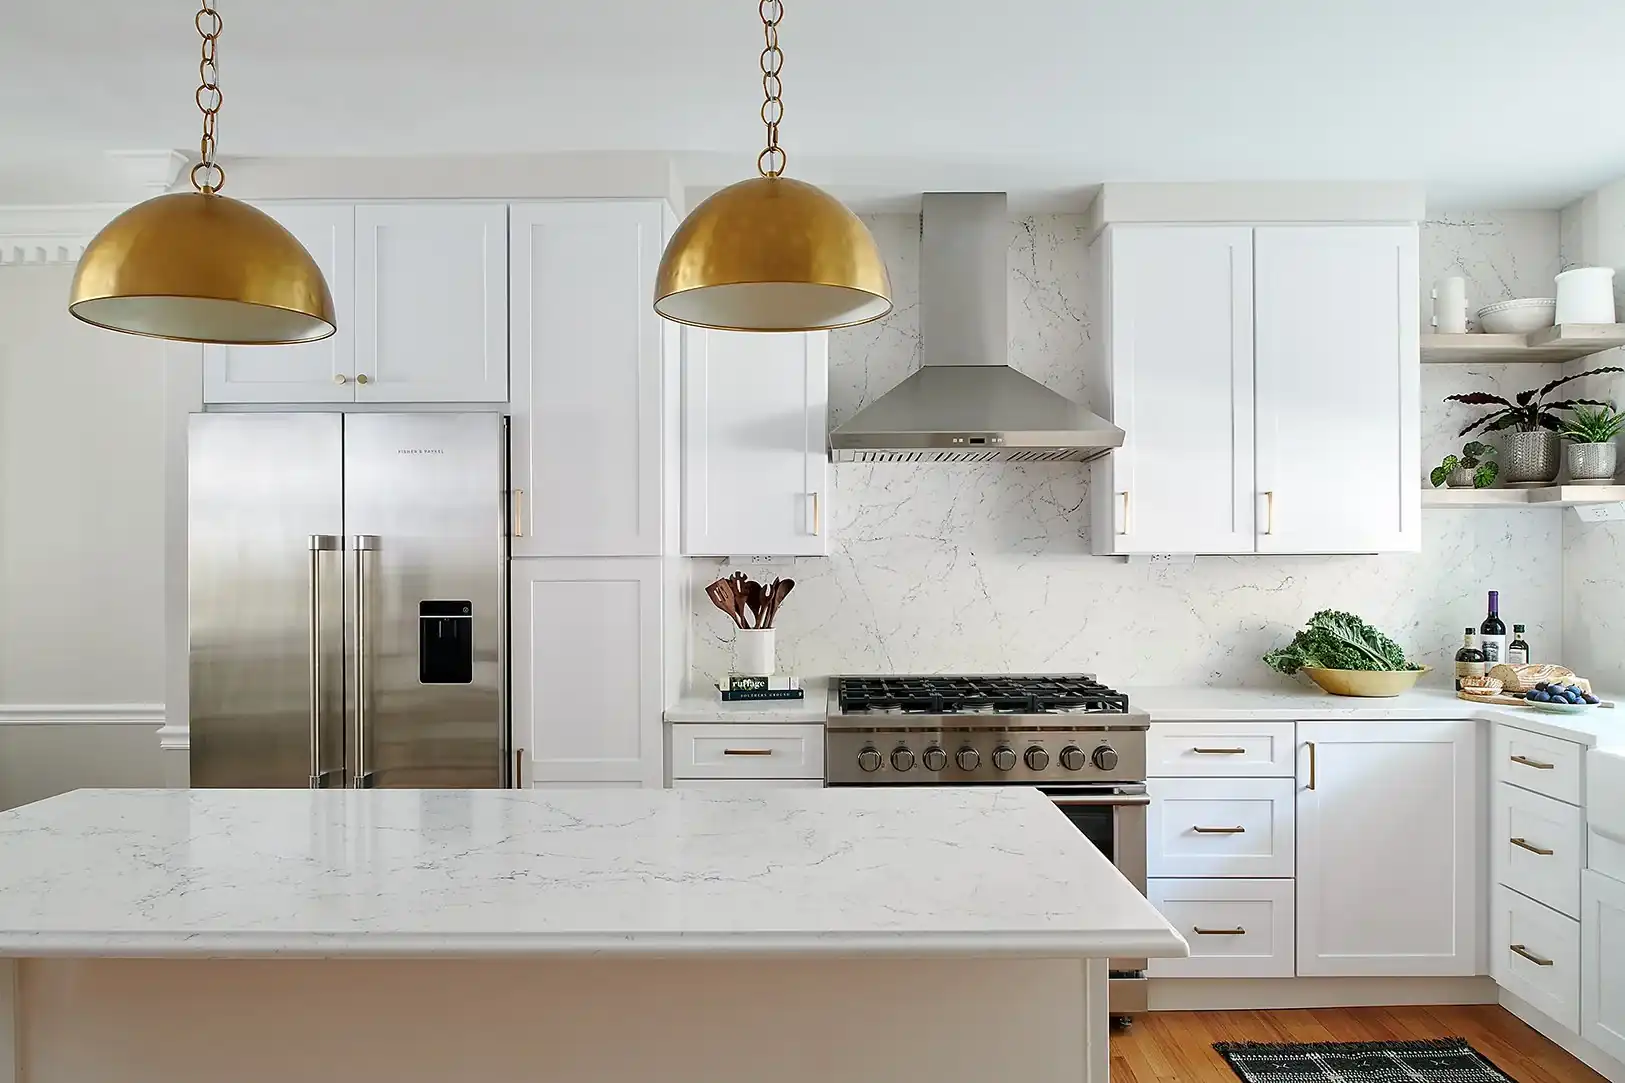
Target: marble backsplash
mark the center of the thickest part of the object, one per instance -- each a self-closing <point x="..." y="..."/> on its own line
<point x="987" y="567"/>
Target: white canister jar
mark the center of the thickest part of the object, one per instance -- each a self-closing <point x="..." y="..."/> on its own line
<point x="753" y="652"/>
<point x="1585" y="295"/>
<point x="1450" y="306"/>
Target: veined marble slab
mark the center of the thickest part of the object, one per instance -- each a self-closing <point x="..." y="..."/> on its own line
<point x="930" y="871"/>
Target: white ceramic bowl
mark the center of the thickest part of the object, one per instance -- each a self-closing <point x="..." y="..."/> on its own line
<point x="1518" y="316"/>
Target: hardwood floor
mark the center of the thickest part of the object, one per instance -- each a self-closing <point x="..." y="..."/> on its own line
<point x="1168" y="1046"/>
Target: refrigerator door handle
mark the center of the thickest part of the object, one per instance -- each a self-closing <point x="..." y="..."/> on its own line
<point x="362" y="777"/>
<point x="319" y="778"/>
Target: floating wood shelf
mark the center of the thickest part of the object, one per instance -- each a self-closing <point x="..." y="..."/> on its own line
<point x="1546" y="346"/>
<point x="1548" y="496"/>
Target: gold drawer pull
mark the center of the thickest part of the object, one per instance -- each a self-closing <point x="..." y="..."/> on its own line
<point x="1531" y="847"/>
<point x="1536" y="764"/>
<point x="1237" y="931"/>
<point x="1220" y="751"/>
<point x="1219" y="830"/>
<point x="1531" y="956"/>
<point x="747" y="752"/>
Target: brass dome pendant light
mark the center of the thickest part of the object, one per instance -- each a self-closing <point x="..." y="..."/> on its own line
<point x="197" y="266"/>
<point x="770" y="253"/>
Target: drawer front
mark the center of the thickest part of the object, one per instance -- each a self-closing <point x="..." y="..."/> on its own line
<point x="747" y="751"/>
<point x="1538" y="847"/>
<point x="1536" y="762"/>
<point x="1221" y="827"/>
<point x="1220" y="749"/>
<point x="1535" y="954"/>
<point x="1236" y="928"/>
<point x="741" y="784"/>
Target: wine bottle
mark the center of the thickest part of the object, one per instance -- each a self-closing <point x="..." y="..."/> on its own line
<point x="1518" y="649"/>
<point x="1469" y="660"/>
<point x="1492" y="634"/>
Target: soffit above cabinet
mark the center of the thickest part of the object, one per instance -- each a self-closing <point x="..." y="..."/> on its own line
<point x="1255" y="203"/>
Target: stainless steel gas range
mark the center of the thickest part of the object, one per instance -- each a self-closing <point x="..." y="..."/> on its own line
<point x="1069" y="735"/>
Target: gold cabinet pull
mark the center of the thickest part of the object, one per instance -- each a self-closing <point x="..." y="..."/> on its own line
<point x="747" y="752"/>
<point x="817" y="516"/>
<point x="518" y="768"/>
<point x="1531" y="847"/>
<point x="1219" y="830"/>
<point x="1311" y="745"/>
<point x="340" y="378"/>
<point x="1237" y="931"/>
<point x="1220" y="751"/>
<point x="1538" y="960"/>
<point x="362" y="378"/>
<point x="1536" y="764"/>
<point x="1269" y="511"/>
<point x="518" y="511"/>
<point x="1124" y="495"/>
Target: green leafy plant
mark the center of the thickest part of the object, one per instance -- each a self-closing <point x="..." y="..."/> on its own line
<point x="1531" y="412"/>
<point x="1337" y="640"/>
<point x="1475" y="456"/>
<point x="1594" y="425"/>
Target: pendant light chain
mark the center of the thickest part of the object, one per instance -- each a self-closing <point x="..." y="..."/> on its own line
<point x="771" y="162"/>
<point x="207" y="176"/>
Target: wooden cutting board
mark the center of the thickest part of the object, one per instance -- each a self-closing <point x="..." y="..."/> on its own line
<point x="1512" y="701"/>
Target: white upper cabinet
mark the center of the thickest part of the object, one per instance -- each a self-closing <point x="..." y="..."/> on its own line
<point x="1338" y="373"/>
<point x="432" y="325"/>
<point x="755" y="430"/>
<point x="1388" y="829"/>
<point x="314" y="371"/>
<point x="1179" y="342"/>
<point x="588" y="370"/>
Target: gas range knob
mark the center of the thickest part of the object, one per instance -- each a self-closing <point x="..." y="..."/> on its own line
<point x="902" y="759"/>
<point x="869" y="759"/>
<point x="968" y="759"/>
<point x="1073" y="758"/>
<point x="1105" y="757"/>
<point x="934" y="758"/>
<point x="1004" y="758"/>
<point x="1037" y="759"/>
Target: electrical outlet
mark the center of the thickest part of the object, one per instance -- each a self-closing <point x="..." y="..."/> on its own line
<point x="761" y="561"/>
<point x="1600" y="513"/>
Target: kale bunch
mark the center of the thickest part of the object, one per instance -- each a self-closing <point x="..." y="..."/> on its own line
<point x="1337" y="640"/>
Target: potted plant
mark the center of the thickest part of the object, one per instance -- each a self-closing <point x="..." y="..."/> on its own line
<point x="1590" y="433"/>
<point x="1474" y="468"/>
<point x="1531" y="451"/>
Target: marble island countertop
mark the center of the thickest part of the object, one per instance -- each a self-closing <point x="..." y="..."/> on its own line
<point x="922" y="872"/>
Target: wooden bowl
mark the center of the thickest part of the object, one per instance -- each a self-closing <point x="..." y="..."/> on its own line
<point x="1365" y="682"/>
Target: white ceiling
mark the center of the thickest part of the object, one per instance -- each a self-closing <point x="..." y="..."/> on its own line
<point x="1490" y="103"/>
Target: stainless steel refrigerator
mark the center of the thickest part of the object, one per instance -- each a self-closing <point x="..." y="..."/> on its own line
<point x="348" y="600"/>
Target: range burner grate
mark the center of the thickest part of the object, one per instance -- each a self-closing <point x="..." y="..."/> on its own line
<point x="1070" y="694"/>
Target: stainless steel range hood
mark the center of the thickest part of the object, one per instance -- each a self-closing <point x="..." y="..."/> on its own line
<point x="966" y="404"/>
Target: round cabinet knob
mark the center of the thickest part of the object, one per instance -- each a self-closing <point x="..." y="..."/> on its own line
<point x="1105" y="757"/>
<point x="340" y="378"/>
<point x="1072" y="758"/>
<point x="968" y="759"/>
<point x="1004" y="758"/>
<point x="361" y="378"/>
<point x="1037" y="758"/>
<point x="934" y="758"/>
<point x="869" y="759"/>
<point x="902" y="759"/>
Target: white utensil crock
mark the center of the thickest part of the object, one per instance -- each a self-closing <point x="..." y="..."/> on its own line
<point x="753" y="652"/>
<point x="1586" y="295"/>
<point x="1450" y="306"/>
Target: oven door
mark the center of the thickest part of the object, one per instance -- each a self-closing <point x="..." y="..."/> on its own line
<point x="1112" y="816"/>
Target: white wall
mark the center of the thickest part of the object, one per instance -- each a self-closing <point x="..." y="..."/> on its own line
<point x="965" y="568"/>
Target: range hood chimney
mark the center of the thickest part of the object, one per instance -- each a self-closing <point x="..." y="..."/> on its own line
<point x="966" y="404"/>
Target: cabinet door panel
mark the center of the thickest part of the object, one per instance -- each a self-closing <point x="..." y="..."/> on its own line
<point x="312" y="371"/>
<point x="1338" y="374"/>
<point x="1602" y="964"/>
<point x="1180" y="343"/>
<point x="432" y="283"/>
<point x="1388" y="848"/>
<point x="755" y="429"/>
<point x="588" y="356"/>
<point x="587" y="669"/>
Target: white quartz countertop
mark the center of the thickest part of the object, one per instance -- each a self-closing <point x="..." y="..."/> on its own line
<point x="1602" y="727"/>
<point x="910" y="871"/>
<point x="704" y="705"/>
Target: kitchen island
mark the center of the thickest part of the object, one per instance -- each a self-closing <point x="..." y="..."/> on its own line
<point x="935" y="933"/>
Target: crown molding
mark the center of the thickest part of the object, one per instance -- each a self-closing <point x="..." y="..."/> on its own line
<point x="43" y="235"/>
<point x="147" y="172"/>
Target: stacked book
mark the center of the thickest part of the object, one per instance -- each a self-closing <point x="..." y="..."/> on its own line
<point x="740" y="687"/>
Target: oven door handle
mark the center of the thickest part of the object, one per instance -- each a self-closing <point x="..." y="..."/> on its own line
<point x="1077" y="800"/>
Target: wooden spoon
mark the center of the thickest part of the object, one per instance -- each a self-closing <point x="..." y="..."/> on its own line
<point x="756" y="599"/>
<point x="722" y="597"/>
<point x="781" y="591"/>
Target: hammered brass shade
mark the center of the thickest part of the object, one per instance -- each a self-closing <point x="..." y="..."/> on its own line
<point x="772" y="254"/>
<point x="200" y="267"/>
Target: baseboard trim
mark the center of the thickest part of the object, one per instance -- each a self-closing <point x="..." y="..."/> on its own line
<point x="81" y="714"/>
<point x="1595" y="1059"/>
<point x="1220" y="994"/>
<point x="175" y="738"/>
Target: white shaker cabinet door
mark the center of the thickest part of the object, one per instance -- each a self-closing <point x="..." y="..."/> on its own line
<point x="589" y="396"/>
<point x="432" y="295"/>
<point x="1179" y="339"/>
<point x="586" y="698"/>
<point x="1602" y="963"/>
<point x="755" y="430"/>
<point x="1388" y="848"/>
<point x="319" y="371"/>
<point x="1338" y="377"/>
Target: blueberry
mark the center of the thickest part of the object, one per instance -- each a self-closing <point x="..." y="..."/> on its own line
<point x="1589" y="698"/>
<point x="1575" y="697"/>
<point x="1538" y="696"/>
